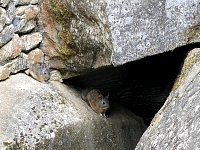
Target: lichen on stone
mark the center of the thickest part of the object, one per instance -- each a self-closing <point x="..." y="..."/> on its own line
<point x="63" y="16"/>
<point x="191" y="59"/>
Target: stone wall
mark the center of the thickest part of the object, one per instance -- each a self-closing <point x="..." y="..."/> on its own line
<point x="19" y="37"/>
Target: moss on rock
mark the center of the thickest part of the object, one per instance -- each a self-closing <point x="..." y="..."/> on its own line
<point x="62" y="14"/>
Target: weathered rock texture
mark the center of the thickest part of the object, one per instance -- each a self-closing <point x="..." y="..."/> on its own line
<point x="83" y="34"/>
<point x="142" y="28"/>
<point x="18" y="35"/>
<point x="177" y="125"/>
<point x="77" y="36"/>
<point x="77" y="33"/>
<point x="52" y="116"/>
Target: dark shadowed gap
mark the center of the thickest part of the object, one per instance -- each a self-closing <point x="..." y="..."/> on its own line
<point x="141" y="86"/>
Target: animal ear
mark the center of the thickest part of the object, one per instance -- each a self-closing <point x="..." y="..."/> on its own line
<point x="106" y="97"/>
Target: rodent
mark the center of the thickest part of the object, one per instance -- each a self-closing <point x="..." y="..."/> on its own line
<point x="40" y="71"/>
<point x="96" y="101"/>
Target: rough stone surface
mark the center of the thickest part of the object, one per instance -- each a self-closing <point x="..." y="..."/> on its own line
<point x="27" y="12"/>
<point x="78" y="32"/>
<point x="30" y="41"/>
<point x="84" y="33"/>
<point x="29" y="26"/>
<point x="35" y="56"/>
<point x="19" y="18"/>
<point x="26" y="2"/>
<point x="25" y="18"/>
<point x="2" y="18"/>
<point x="177" y="125"/>
<point x="4" y="72"/>
<point x="6" y="35"/>
<point x="19" y="64"/>
<point x="4" y="3"/>
<point x="52" y="116"/>
<point x="14" y="66"/>
<point x="142" y="28"/>
<point x="10" y="12"/>
<point x="56" y="76"/>
<point x="11" y="49"/>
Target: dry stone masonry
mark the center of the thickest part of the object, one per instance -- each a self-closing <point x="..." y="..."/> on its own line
<point x="19" y="35"/>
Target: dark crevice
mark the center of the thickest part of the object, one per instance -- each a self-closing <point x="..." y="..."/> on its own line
<point x="141" y="86"/>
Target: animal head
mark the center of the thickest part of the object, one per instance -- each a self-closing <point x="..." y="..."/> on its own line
<point x="40" y="71"/>
<point x="45" y="72"/>
<point x="104" y="101"/>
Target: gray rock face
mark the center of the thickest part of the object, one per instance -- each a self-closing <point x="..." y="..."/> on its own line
<point x="4" y="72"/>
<point x="11" y="50"/>
<point x="25" y="2"/>
<point x="25" y="18"/>
<point x="177" y="125"/>
<point x="10" y="12"/>
<point x="77" y="32"/>
<point x="6" y="35"/>
<point x="18" y="19"/>
<point x="52" y="116"/>
<point x="14" y="66"/>
<point x="4" y="3"/>
<point x="130" y="29"/>
<point x="30" y="25"/>
<point x="30" y="41"/>
<point x="19" y="64"/>
<point x="142" y="28"/>
<point x="2" y="18"/>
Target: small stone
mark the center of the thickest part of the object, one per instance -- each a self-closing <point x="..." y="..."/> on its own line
<point x="56" y="76"/>
<point x="35" y="56"/>
<point x="31" y="41"/>
<point x="4" y="72"/>
<point x="26" y="2"/>
<point x="4" y="3"/>
<point x="29" y="26"/>
<point x="11" y="50"/>
<point x="19" y="64"/>
<point x="27" y="72"/>
<point x="6" y="35"/>
<point x="2" y="18"/>
<point x="23" y="26"/>
<point x="10" y="12"/>
<point x="24" y="21"/>
<point x="27" y="12"/>
<point x="18" y="23"/>
<point x="57" y="63"/>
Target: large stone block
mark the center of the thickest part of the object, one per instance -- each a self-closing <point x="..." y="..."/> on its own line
<point x="142" y="28"/>
<point x="53" y="116"/>
<point x="177" y="125"/>
<point x="90" y="34"/>
<point x="77" y="32"/>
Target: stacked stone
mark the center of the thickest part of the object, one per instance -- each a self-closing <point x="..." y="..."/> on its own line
<point x="19" y="36"/>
